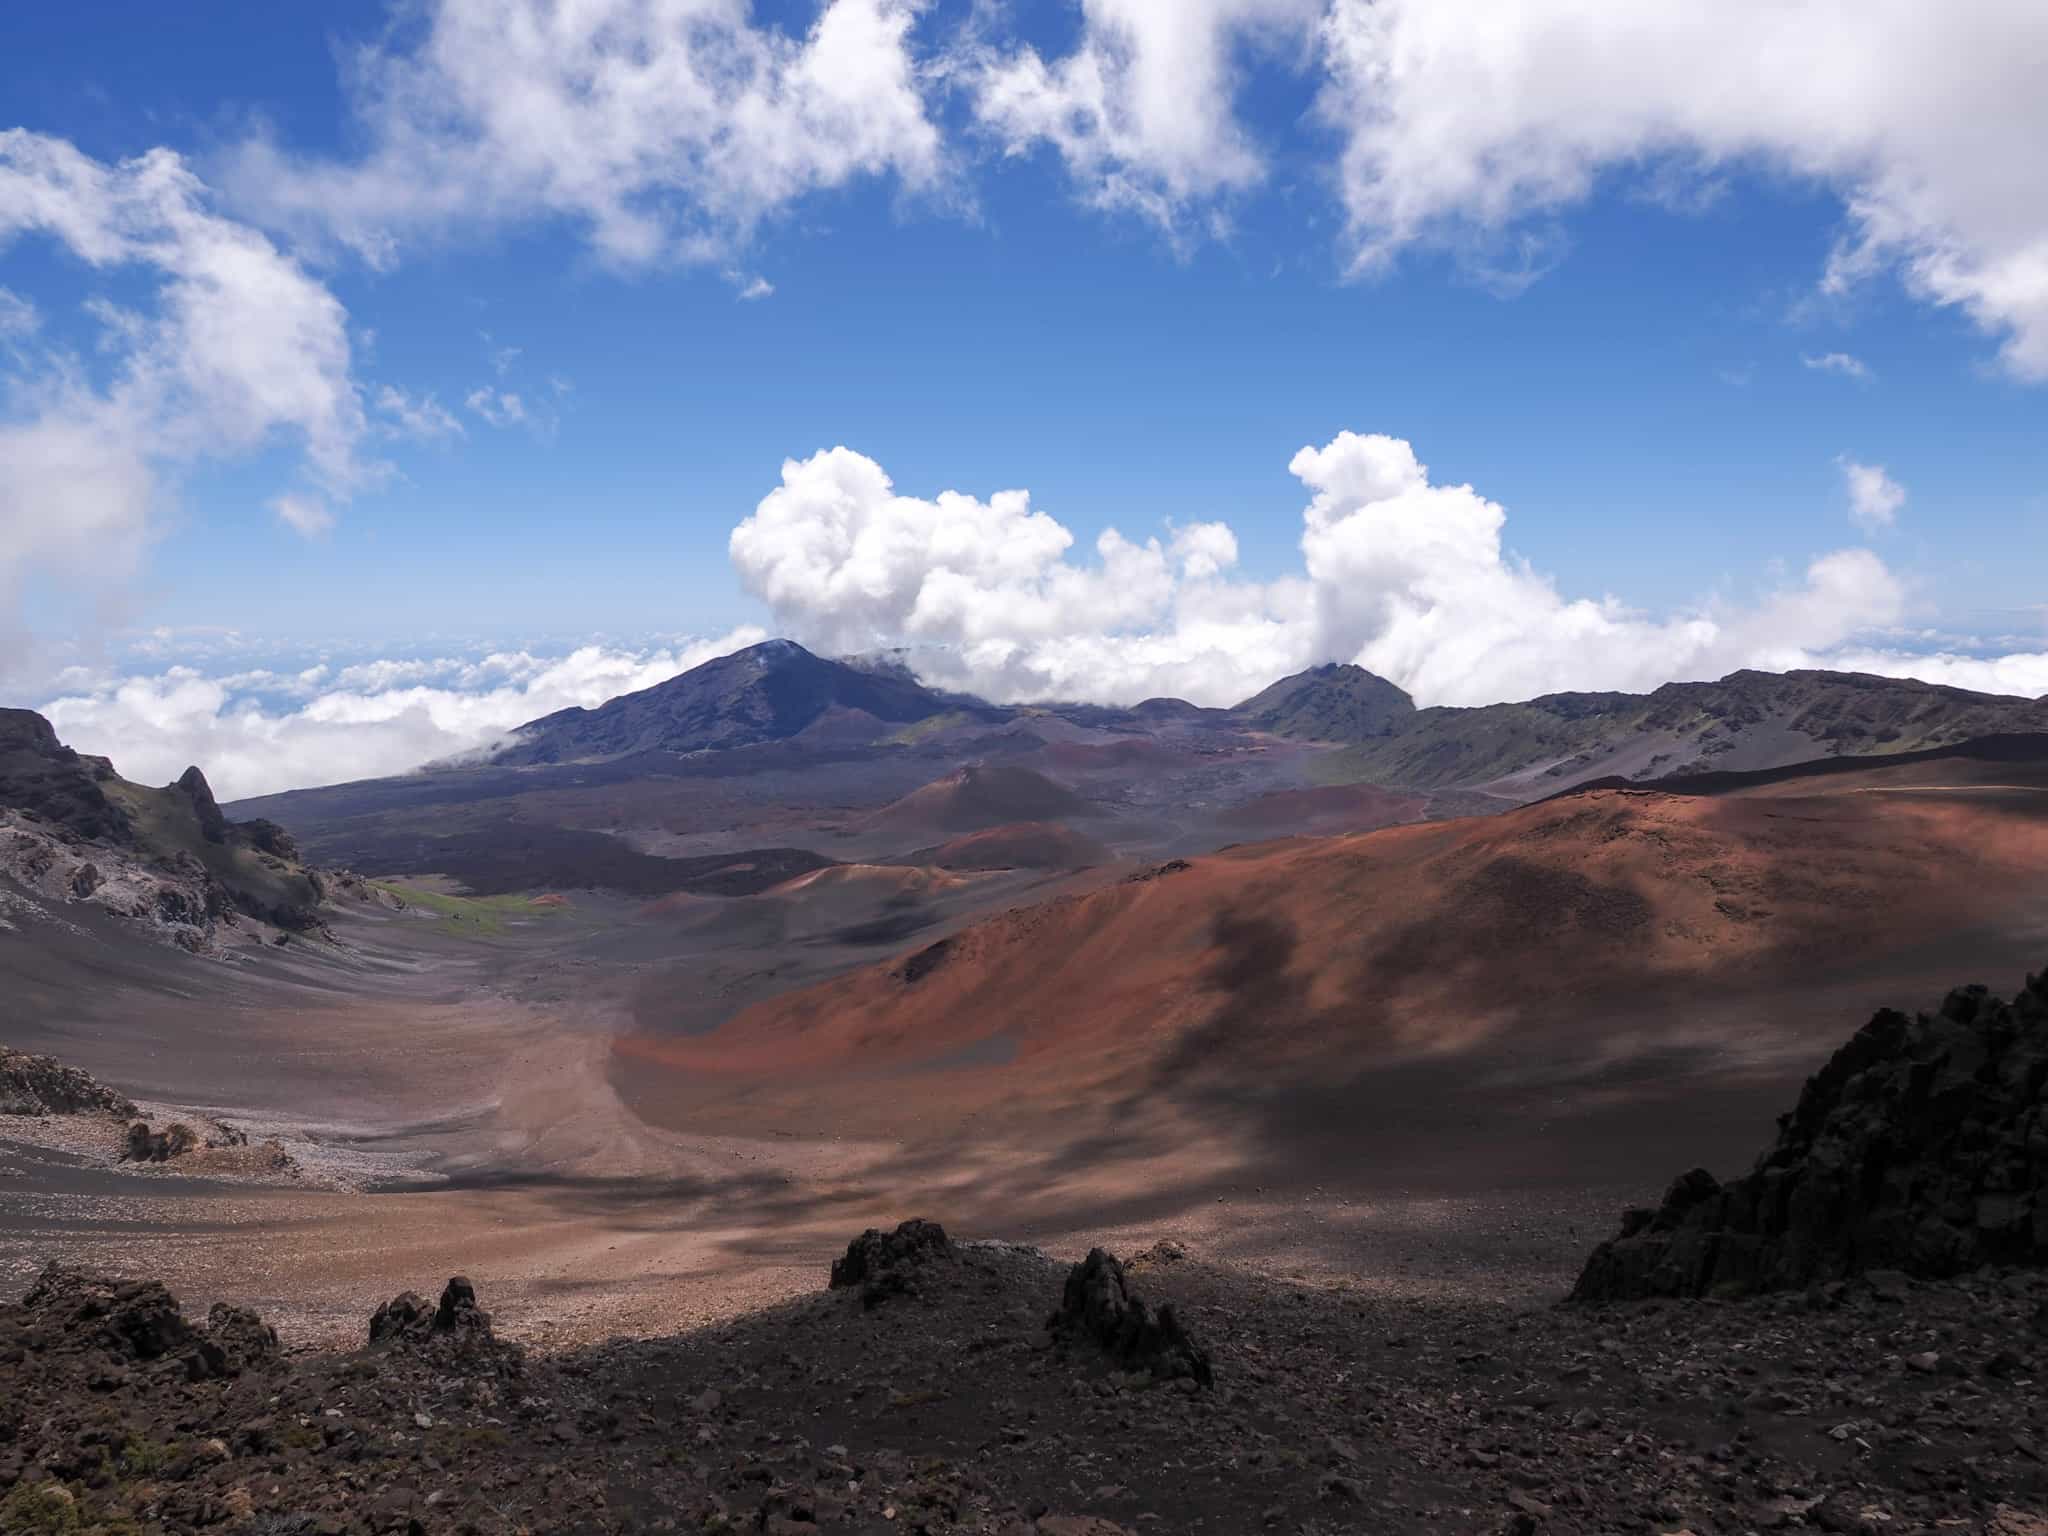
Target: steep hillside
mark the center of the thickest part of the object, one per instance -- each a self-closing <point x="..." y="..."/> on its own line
<point x="1747" y="720"/>
<point x="75" y="830"/>
<point x="767" y="692"/>
<point x="1629" y="937"/>
<point x="1329" y="703"/>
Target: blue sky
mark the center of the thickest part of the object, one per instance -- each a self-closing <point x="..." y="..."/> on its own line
<point x="1643" y="403"/>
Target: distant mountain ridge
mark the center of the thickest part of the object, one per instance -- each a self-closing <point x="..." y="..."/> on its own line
<point x="778" y="690"/>
<point x="767" y="692"/>
<point x="1747" y="720"/>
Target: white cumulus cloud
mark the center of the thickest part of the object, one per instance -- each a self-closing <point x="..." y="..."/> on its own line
<point x="669" y="129"/>
<point x="1463" y="116"/>
<point x="1403" y="575"/>
<point x="1874" y="496"/>
<point x="1141" y="111"/>
<point x="239" y="347"/>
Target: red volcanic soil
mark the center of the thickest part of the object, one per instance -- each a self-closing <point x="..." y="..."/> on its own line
<point x="979" y="795"/>
<point x="1021" y="845"/>
<point x="1642" y="972"/>
<point x="1332" y="809"/>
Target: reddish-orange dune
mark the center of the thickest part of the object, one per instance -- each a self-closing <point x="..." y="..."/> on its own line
<point x="1592" y="939"/>
<point x="979" y="795"/>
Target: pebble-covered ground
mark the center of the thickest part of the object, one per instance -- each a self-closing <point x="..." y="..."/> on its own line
<point x="1880" y="1406"/>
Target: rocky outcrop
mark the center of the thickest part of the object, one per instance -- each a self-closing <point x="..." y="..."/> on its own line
<point x="885" y="1264"/>
<point x="1100" y="1306"/>
<point x="1922" y="1147"/>
<point x="454" y="1330"/>
<point x="42" y="1085"/>
<point x="144" y="1145"/>
<point x="73" y="830"/>
<point x="128" y="1319"/>
<point x="241" y="1339"/>
<point x="213" y="826"/>
<point x="130" y="1322"/>
<point x="45" y="778"/>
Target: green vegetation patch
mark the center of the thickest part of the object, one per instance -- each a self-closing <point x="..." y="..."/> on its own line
<point x="480" y="916"/>
<point x="919" y="730"/>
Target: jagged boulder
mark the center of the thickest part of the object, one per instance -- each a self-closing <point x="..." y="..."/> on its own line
<point x="147" y="1146"/>
<point x="42" y="1085"/>
<point x="130" y="1319"/>
<point x="885" y="1264"/>
<point x="1921" y="1146"/>
<point x="455" y="1329"/>
<point x="266" y="836"/>
<point x="241" y="1337"/>
<point x="1100" y="1306"/>
<point x="213" y="826"/>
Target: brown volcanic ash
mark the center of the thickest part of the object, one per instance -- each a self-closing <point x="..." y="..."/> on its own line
<point x="1617" y="927"/>
<point x="1330" y="809"/>
<point x="979" y="795"/>
<point x="1021" y="845"/>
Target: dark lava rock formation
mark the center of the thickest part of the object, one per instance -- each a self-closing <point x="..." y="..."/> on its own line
<point x="456" y="1327"/>
<point x="41" y="775"/>
<point x="1100" y="1305"/>
<point x="1922" y="1146"/>
<point x="1338" y="1412"/>
<point x="146" y="1146"/>
<point x="885" y="1264"/>
<point x="137" y="1323"/>
<point x="42" y="1085"/>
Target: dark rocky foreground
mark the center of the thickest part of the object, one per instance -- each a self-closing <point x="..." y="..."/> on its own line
<point x="1921" y="1146"/>
<point x="946" y="1405"/>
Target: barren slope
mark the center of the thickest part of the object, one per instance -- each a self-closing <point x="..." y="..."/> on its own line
<point x="1576" y="980"/>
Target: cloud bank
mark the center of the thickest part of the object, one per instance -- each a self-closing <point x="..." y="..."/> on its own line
<point x="257" y="732"/>
<point x="1402" y="575"/>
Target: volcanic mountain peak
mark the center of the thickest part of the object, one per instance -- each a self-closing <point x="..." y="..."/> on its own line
<point x="767" y="692"/>
<point x="1333" y="702"/>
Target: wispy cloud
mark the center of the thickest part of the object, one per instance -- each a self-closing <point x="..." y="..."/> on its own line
<point x="306" y="515"/>
<point x="422" y="418"/>
<point x="1839" y="362"/>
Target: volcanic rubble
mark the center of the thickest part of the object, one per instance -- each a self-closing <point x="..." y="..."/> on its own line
<point x="944" y="1386"/>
